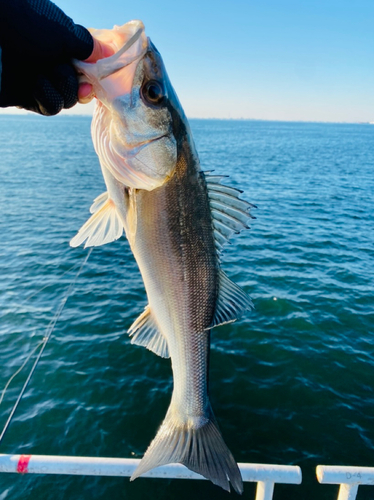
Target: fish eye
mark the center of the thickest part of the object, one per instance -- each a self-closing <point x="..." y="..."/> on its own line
<point x="153" y="92"/>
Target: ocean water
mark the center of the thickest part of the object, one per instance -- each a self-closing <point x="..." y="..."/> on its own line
<point x="291" y="383"/>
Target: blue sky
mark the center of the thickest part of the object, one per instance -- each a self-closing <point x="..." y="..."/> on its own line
<point x="275" y="59"/>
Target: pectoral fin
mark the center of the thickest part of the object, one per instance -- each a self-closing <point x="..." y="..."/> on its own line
<point x="103" y="227"/>
<point x="232" y="302"/>
<point x="144" y="331"/>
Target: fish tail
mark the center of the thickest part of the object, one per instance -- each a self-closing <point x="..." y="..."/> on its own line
<point x="199" y="446"/>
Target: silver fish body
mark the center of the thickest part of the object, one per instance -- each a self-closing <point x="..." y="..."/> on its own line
<point x="176" y="221"/>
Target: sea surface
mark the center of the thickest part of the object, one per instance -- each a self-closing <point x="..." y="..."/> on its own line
<point x="291" y="383"/>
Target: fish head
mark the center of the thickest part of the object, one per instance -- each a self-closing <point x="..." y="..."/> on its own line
<point x="134" y="123"/>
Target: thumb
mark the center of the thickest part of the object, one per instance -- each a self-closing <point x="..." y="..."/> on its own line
<point x="100" y="51"/>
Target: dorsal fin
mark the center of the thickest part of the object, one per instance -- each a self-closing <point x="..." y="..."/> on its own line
<point x="230" y="214"/>
<point x="144" y="331"/>
<point x="232" y="302"/>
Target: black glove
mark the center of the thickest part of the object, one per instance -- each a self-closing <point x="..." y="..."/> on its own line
<point x="38" y="42"/>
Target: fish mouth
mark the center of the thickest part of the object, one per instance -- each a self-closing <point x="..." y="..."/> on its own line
<point x="135" y="48"/>
<point x="115" y="58"/>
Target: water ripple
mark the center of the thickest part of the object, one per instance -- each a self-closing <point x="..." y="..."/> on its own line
<point x="291" y="382"/>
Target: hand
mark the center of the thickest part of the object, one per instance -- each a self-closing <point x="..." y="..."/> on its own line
<point x="38" y="42"/>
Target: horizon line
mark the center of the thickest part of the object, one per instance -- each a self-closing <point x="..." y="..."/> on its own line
<point x="27" y="113"/>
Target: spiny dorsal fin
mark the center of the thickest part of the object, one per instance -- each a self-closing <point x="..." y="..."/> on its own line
<point x="102" y="227"/>
<point x="144" y="331"/>
<point x="232" y="302"/>
<point x="230" y="213"/>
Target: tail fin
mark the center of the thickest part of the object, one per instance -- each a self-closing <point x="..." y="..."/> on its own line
<point x="200" y="448"/>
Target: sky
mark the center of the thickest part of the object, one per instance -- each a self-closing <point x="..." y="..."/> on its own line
<point x="293" y="60"/>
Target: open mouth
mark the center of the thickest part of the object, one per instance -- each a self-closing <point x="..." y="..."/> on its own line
<point x="134" y="48"/>
<point x="114" y="62"/>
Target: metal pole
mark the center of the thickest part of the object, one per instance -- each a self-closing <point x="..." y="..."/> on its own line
<point x="349" y="478"/>
<point x="336" y="474"/>
<point x="265" y="490"/>
<point x="348" y="492"/>
<point x="93" y="466"/>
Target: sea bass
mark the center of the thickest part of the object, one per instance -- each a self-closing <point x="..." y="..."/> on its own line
<point x="176" y="219"/>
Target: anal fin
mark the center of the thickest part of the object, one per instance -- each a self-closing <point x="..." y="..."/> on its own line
<point x="144" y="331"/>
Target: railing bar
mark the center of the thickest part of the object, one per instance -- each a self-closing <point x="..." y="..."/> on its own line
<point x="265" y="490"/>
<point x="348" y="492"/>
<point x="96" y="466"/>
<point x="339" y="474"/>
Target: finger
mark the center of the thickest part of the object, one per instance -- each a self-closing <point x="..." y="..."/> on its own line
<point x="65" y="80"/>
<point x="48" y="99"/>
<point x="85" y="93"/>
<point x="100" y="51"/>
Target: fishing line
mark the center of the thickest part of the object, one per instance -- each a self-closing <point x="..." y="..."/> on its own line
<point x="43" y="343"/>
<point x="49" y="284"/>
<point x="41" y="289"/>
<point x="19" y="370"/>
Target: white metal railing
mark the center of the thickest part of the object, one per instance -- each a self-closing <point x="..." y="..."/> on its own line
<point x="349" y="478"/>
<point x="264" y="475"/>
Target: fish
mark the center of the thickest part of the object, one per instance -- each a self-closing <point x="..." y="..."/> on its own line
<point x="177" y="219"/>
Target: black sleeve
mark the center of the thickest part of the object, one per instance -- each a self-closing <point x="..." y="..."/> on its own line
<point x="38" y="42"/>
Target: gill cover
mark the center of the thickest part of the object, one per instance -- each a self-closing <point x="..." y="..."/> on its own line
<point x="132" y="135"/>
